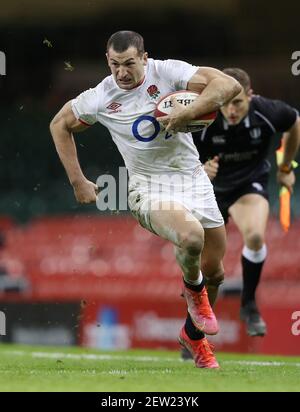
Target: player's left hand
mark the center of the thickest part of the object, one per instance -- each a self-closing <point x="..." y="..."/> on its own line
<point x="211" y="167"/>
<point x="177" y="120"/>
<point x="286" y="179"/>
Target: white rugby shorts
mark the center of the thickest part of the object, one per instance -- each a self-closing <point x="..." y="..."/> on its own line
<point x="195" y="193"/>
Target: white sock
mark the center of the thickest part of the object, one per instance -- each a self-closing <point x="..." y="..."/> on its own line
<point x="194" y="282"/>
<point x="255" y="256"/>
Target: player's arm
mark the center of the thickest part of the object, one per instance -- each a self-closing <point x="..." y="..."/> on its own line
<point x="291" y="143"/>
<point x="62" y="127"/>
<point x="216" y="89"/>
<point x="212" y="167"/>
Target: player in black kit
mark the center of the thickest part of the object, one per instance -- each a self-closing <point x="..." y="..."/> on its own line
<point x="234" y="152"/>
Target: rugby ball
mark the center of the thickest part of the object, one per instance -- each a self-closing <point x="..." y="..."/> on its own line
<point x="185" y="97"/>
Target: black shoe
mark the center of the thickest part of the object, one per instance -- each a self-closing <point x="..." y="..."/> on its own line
<point x="254" y="322"/>
<point x="185" y="354"/>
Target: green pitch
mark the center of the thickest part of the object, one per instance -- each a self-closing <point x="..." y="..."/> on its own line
<point x="29" y="368"/>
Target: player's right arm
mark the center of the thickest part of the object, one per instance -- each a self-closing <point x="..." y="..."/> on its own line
<point x="62" y="127"/>
<point x="291" y="142"/>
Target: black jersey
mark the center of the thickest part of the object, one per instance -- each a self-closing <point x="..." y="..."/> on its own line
<point x="243" y="148"/>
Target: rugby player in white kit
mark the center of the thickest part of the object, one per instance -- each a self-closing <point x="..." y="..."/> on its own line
<point x="157" y="154"/>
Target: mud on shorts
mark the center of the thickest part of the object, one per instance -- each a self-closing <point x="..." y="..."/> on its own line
<point x="197" y="197"/>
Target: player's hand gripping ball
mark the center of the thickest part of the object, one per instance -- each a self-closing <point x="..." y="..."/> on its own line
<point x="184" y="97"/>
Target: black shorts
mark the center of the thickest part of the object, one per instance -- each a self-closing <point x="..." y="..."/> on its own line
<point x="258" y="186"/>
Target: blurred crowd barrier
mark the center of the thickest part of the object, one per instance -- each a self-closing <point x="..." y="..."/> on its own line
<point x="105" y="282"/>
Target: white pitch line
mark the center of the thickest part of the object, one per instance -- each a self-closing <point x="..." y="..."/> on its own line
<point x="55" y="355"/>
<point x="263" y="363"/>
<point x="86" y="356"/>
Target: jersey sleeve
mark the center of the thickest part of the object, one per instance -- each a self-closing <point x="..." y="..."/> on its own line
<point x="85" y="106"/>
<point x="280" y="114"/>
<point x="176" y="72"/>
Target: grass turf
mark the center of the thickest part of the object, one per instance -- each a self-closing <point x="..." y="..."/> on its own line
<point x="31" y="368"/>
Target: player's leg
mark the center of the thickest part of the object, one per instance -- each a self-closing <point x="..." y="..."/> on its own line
<point x="179" y="226"/>
<point x="213" y="272"/>
<point x="250" y="213"/>
<point x="211" y="261"/>
<point x="185" y="232"/>
<point x="197" y="347"/>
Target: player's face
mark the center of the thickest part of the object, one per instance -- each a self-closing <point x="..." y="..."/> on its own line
<point x="237" y="108"/>
<point x="127" y="67"/>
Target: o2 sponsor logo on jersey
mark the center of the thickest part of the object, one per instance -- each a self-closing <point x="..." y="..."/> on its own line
<point x="147" y="128"/>
<point x="2" y="64"/>
<point x="296" y="65"/>
<point x="296" y="325"/>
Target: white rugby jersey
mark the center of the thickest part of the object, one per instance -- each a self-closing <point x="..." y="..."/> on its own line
<point x="147" y="149"/>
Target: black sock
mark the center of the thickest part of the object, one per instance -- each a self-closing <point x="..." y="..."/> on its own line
<point x="196" y="288"/>
<point x="251" y="277"/>
<point x="191" y="330"/>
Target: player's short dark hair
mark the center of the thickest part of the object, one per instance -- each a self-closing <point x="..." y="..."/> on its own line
<point x="240" y="75"/>
<point x="122" y="40"/>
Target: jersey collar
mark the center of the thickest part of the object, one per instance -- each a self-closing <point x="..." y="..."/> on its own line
<point x="246" y="122"/>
